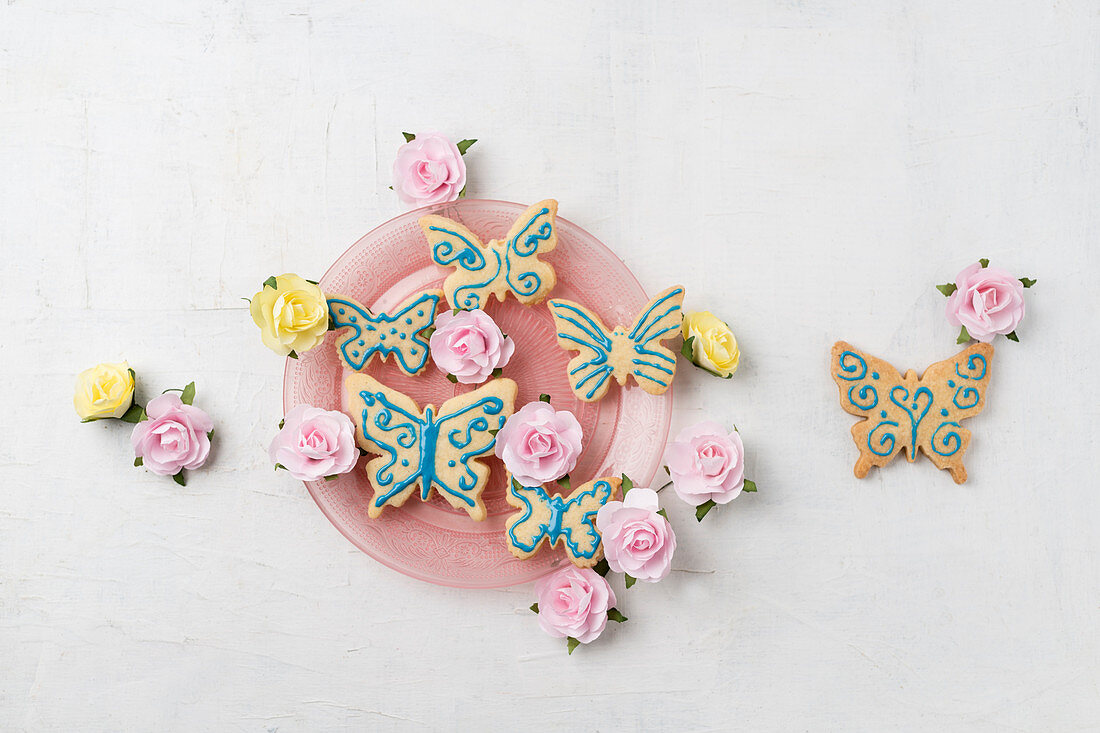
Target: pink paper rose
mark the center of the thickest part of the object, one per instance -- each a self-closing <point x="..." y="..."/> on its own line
<point x="636" y="539"/>
<point x="428" y="170"/>
<point x="574" y="602"/>
<point x="469" y="345"/>
<point x="706" y="463"/>
<point x="314" y="443"/>
<point x="988" y="301"/>
<point x="174" y="437"/>
<point x="539" y="444"/>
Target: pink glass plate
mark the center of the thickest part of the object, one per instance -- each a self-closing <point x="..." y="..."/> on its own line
<point x="623" y="433"/>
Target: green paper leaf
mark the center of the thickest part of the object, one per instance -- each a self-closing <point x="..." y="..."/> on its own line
<point x="565" y="483"/>
<point x="332" y="477"/>
<point x="572" y="643"/>
<point x="210" y="435"/>
<point x="427" y="331"/>
<point x="497" y="372"/>
<point x="535" y="607"/>
<point x="139" y="461"/>
<point x="628" y="484"/>
<point x="281" y="424"/>
<point x="272" y="283"/>
<point x="293" y="354"/>
<point x="493" y="432"/>
<point x="750" y="486"/>
<point x="462" y="193"/>
<point x="1012" y="337"/>
<point x="615" y="615"/>
<point x="602" y="567"/>
<point x="667" y="472"/>
<point x="331" y="324"/>
<point x="1028" y="282"/>
<point x="133" y="374"/>
<point x="544" y="397"/>
<point x="630" y="580"/>
<point x="313" y="282"/>
<point x="452" y="379"/>
<point x="188" y="396"/>
<point x="279" y="465"/>
<point x="663" y="513"/>
<point x="964" y="336"/>
<point x="686" y="350"/>
<point x="464" y="145"/>
<point x="702" y="510"/>
<point x="984" y="262"/>
<point x="179" y="479"/>
<point x="409" y="137"/>
<point x="947" y="288"/>
<point x="390" y="187"/>
<point x="134" y="415"/>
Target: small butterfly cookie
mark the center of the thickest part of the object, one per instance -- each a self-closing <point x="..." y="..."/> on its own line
<point x="906" y="412"/>
<point x="553" y="518"/>
<point x="397" y="333"/>
<point x="427" y="448"/>
<point x="620" y="353"/>
<point x="499" y="267"/>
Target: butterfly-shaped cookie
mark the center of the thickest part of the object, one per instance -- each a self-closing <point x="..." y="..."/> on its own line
<point x="396" y="333"/>
<point x="906" y="412"/>
<point x="553" y="518"/>
<point x="603" y="353"/>
<point x="427" y="448"/>
<point x="499" y="267"/>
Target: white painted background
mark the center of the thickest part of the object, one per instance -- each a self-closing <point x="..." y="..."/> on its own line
<point x="808" y="169"/>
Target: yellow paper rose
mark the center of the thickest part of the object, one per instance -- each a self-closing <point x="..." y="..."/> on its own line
<point x="713" y="346"/>
<point x="292" y="314"/>
<point x="105" y="390"/>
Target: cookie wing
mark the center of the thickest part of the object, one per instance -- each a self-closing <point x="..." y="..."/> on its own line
<point x="396" y="333"/>
<point x="465" y="430"/>
<point x="578" y="524"/>
<point x="527" y="528"/>
<point x="866" y="386"/>
<point x="958" y="386"/>
<point x="388" y="424"/>
<point x="477" y="267"/>
<point x="580" y="330"/>
<point x="535" y="232"/>
<point x="654" y="366"/>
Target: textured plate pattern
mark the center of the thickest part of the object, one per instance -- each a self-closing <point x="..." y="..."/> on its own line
<point x="623" y="433"/>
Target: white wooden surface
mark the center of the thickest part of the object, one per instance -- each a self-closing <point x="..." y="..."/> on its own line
<point x="808" y="169"/>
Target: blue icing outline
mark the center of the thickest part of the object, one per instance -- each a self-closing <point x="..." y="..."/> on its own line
<point x="365" y="330"/>
<point x="602" y="343"/>
<point x="424" y="435"/>
<point x="560" y="511"/>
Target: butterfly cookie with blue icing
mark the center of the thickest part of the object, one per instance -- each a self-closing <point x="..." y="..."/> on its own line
<point x="918" y="414"/>
<point x="499" y="267"/>
<point x="625" y="351"/>
<point x="384" y="334"/>
<point x="431" y="449"/>
<point x="553" y="519"/>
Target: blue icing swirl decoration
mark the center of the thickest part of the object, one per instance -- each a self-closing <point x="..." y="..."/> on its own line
<point x="435" y="449"/>
<point x="921" y="415"/>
